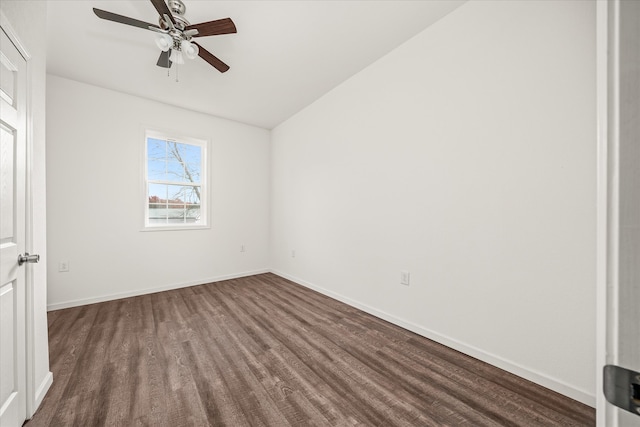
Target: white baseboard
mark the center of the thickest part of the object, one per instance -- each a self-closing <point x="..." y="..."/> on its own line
<point x="41" y="391"/>
<point x="135" y="293"/>
<point x="509" y="366"/>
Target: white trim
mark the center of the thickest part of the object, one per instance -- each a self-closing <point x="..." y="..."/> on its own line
<point x="111" y="297"/>
<point x="613" y="174"/>
<point x="176" y="228"/>
<point x="606" y="414"/>
<point x="602" y="179"/>
<point x="13" y="36"/>
<point x="42" y="389"/>
<point x="32" y="403"/>
<point x="519" y="370"/>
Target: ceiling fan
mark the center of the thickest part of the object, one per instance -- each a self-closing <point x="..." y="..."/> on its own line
<point x="175" y="33"/>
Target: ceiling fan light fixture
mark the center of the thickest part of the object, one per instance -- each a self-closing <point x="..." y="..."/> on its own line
<point x="164" y="42"/>
<point x="190" y="50"/>
<point x="176" y="56"/>
<point x="174" y="33"/>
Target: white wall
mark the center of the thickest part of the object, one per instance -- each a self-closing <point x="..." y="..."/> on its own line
<point x="95" y="139"/>
<point x="467" y="157"/>
<point x="29" y="20"/>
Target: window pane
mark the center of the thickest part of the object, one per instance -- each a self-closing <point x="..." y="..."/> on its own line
<point x="184" y="161"/>
<point x="175" y="195"/>
<point x="175" y="216"/>
<point x="157" y="169"/>
<point x="192" y="213"/>
<point x="157" y="213"/>
<point x="157" y="193"/>
<point x="156" y="159"/>
<point x="190" y="153"/>
<point x="175" y="171"/>
<point x="191" y="195"/>
<point x="194" y="172"/>
<point x="156" y="148"/>
<point x="179" y="194"/>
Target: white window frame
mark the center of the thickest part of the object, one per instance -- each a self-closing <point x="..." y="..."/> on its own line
<point x="204" y="181"/>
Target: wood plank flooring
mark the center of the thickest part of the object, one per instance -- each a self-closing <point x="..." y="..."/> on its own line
<point x="263" y="351"/>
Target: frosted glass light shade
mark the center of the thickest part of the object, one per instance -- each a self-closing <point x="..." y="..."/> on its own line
<point x="189" y="49"/>
<point x="164" y="42"/>
<point x="176" y="56"/>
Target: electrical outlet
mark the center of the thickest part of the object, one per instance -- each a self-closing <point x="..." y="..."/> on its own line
<point x="242" y="248"/>
<point x="405" y="278"/>
<point x="293" y="253"/>
<point x="63" y="266"/>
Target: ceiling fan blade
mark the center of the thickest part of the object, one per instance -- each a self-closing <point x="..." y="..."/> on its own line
<point x="211" y="59"/>
<point x="164" y="60"/>
<point x="163" y="9"/>
<point x="213" y="28"/>
<point x="109" y="16"/>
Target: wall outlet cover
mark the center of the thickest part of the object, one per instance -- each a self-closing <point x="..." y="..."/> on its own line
<point x="405" y="278"/>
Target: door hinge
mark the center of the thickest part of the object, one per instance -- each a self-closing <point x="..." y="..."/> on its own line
<point x="622" y="388"/>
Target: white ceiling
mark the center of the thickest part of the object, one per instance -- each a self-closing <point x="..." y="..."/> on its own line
<point x="285" y="55"/>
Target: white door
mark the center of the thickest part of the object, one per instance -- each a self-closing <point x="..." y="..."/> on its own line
<point x="619" y="256"/>
<point x="13" y="84"/>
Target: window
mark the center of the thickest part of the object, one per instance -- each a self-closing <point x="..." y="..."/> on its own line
<point x="175" y="177"/>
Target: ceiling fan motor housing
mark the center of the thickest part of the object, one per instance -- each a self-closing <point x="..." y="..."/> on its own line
<point x="177" y="7"/>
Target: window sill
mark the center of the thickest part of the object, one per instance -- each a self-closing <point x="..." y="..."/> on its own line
<point x="177" y="228"/>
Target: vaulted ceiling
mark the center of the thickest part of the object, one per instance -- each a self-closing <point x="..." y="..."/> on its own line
<point x="285" y="55"/>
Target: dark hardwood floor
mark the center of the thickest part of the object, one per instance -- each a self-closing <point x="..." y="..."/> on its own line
<point x="263" y="351"/>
